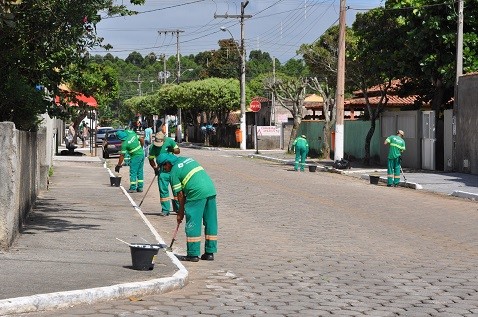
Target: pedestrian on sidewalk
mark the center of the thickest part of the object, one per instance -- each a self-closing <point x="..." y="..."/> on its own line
<point x="397" y="146"/>
<point x="132" y="145"/>
<point x="197" y="201"/>
<point x="163" y="144"/>
<point x="148" y="134"/>
<point x="85" y="134"/>
<point x="301" y="149"/>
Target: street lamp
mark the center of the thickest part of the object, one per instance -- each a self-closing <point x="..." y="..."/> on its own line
<point x="243" y="86"/>
<point x="179" y="133"/>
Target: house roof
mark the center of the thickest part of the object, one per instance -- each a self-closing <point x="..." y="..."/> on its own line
<point x="78" y="96"/>
<point x="393" y="101"/>
<point x="261" y="99"/>
<point x="313" y="102"/>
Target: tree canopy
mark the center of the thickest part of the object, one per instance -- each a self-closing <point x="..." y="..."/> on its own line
<point x="40" y="40"/>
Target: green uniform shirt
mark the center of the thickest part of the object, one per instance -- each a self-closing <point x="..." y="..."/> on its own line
<point x="131" y="144"/>
<point x="300" y="142"/>
<point x="155" y="151"/>
<point x="187" y="175"/>
<point x="397" y="146"/>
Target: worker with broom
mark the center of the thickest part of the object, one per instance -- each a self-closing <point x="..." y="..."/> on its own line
<point x="197" y="201"/>
<point x="397" y="146"/>
<point x="132" y="145"/>
<point x="163" y="144"/>
<point x="301" y="149"/>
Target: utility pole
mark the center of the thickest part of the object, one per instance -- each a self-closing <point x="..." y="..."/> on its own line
<point x="459" y="72"/>
<point x="273" y="100"/>
<point x="242" y="16"/>
<point x="138" y="81"/>
<point x="179" y="135"/>
<point x="339" y="96"/>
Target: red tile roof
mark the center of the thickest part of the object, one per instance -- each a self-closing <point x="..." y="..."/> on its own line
<point x="393" y="101"/>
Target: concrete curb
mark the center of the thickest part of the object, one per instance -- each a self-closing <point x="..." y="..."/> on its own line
<point x="58" y="300"/>
<point x="461" y="194"/>
<point x="401" y="184"/>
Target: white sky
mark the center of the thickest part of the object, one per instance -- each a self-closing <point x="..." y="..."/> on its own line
<point x="278" y="27"/>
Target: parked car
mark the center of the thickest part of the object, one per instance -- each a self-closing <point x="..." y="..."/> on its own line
<point x="111" y="143"/>
<point x="100" y="135"/>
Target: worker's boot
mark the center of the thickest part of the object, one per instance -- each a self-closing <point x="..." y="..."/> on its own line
<point x="207" y="257"/>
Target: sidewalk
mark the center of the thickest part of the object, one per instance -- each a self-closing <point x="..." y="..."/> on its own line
<point x="453" y="184"/>
<point x="68" y="252"/>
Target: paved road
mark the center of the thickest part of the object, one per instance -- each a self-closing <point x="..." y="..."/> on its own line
<point x="319" y="244"/>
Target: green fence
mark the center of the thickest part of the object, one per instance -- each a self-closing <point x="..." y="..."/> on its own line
<point x="355" y="132"/>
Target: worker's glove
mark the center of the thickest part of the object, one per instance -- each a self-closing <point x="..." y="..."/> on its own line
<point x="156" y="171"/>
<point x="117" y="168"/>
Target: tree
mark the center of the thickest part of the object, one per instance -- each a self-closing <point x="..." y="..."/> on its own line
<point x="372" y="60"/>
<point x="328" y="109"/>
<point x="225" y="62"/>
<point x="290" y="93"/>
<point x="294" y="68"/>
<point x="321" y="58"/>
<point x="259" y="63"/>
<point x="40" y="40"/>
<point x="135" y="58"/>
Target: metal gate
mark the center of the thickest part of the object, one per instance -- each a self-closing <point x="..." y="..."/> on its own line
<point x="428" y="140"/>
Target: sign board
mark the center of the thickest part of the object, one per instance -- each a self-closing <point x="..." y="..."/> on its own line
<point x="268" y="131"/>
<point x="255" y="106"/>
<point x="282" y="118"/>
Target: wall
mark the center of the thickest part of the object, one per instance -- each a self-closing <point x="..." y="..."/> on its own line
<point x="23" y="171"/>
<point x="355" y="132"/>
<point x="466" y="150"/>
<point x="448" y="140"/>
<point x="409" y="122"/>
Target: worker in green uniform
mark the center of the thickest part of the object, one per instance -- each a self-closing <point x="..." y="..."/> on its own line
<point x="163" y="144"/>
<point x="397" y="146"/>
<point x="301" y="149"/>
<point x="197" y="201"/>
<point x="133" y="146"/>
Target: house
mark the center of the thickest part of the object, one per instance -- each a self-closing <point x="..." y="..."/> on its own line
<point x="356" y="106"/>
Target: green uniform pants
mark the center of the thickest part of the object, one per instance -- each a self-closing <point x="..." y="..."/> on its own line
<point x="393" y="171"/>
<point x="300" y="156"/>
<point x="163" y="185"/>
<point x="136" y="167"/>
<point x="198" y="212"/>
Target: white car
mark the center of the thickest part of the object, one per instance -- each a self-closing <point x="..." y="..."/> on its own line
<point x="100" y="135"/>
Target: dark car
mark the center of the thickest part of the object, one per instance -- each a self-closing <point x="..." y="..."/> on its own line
<point x="111" y="143"/>
<point x="100" y="134"/>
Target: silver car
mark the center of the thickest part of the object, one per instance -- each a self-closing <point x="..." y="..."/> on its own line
<point x="100" y="135"/>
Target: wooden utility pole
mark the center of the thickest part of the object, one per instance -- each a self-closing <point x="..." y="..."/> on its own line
<point x="339" y="97"/>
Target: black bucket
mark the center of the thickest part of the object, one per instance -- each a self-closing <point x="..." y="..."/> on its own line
<point x="374" y="179"/>
<point x="312" y="168"/>
<point x="143" y="256"/>
<point x="115" y="181"/>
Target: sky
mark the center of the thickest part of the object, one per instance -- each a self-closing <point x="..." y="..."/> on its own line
<point x="278" y="27"/>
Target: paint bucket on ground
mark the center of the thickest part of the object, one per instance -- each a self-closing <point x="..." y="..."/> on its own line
<point x="115" y="181"/>
<point x="312" y="168"/>
<point x="374" y="179"/>
<point x="143" y="255"/>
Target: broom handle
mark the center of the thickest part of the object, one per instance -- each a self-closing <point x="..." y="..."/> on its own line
<point x="174" y="236"/>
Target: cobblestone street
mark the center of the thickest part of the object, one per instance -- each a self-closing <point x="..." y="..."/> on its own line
<point x="316" y="244"/>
